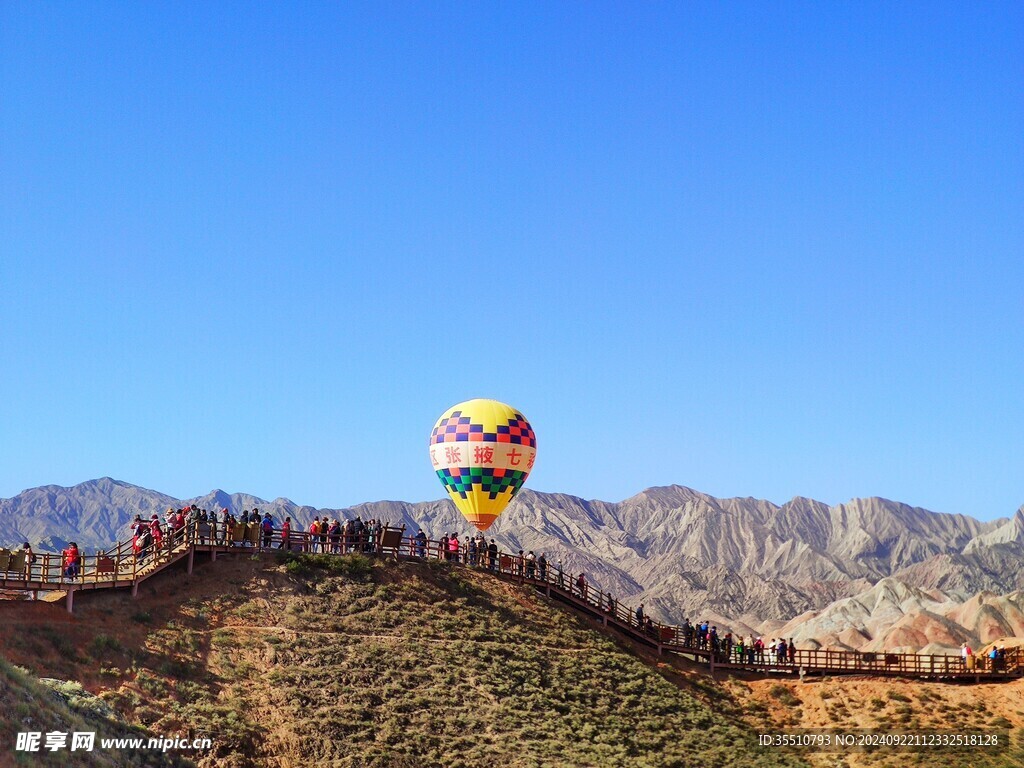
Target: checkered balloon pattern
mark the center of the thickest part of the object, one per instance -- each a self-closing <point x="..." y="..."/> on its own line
<point x="459" y="428"/>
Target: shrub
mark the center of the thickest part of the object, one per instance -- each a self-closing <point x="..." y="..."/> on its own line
<point x="783" y="695"/>
<point x="102" y="645"/>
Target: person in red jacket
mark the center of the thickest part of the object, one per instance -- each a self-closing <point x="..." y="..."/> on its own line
<point x="314" y="534"/>
<point x="286" y="532"/>
<point x="156" y="532"/>
<point x="71" y="558"/>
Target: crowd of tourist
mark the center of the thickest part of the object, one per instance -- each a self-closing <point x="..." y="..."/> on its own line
<point x="250" y="528"/>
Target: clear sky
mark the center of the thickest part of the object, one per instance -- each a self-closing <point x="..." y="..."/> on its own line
<point x="756" y="249"/>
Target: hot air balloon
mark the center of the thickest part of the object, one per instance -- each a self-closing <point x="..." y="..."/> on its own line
<point x="482" y="451"/>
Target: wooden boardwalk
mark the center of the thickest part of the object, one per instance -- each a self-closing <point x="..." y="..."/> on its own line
<point x="122" y="568"/>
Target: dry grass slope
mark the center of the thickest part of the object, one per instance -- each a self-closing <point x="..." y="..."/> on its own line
<point x="356" y="662"/>
<point x="27" y="705"/>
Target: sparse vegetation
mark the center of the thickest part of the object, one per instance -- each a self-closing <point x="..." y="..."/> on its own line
<point x="366" y="663"/>
<point x="783" y="695"/>
<point x="28" y="704"/>
<point x="362" y="662"/>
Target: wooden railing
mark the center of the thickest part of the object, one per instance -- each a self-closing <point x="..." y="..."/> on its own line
<point x="677" y="639"/>
<point x="122" y="566"/>
<point x="119" y="566"/>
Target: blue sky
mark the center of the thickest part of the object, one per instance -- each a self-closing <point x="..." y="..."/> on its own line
<point x="764" y="250"/>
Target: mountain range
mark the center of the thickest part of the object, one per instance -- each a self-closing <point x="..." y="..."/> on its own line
<point x="864" y="574"/>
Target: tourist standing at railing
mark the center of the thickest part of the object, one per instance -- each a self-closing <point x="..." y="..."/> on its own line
<point x="70" y="560"/>
<point x="268" y="530"/>
<point x="244" y="522"/>
<point x="325" y="529"/>
<point x="471" y="551"/>
<point x="202" y="528"/>
<point x="492" y="555"/>
<point x="156" y="532"/>
<point x="421" y="543"/>
<point x="334" y="533"/>
<point x="368" y="537"/>
<point x="792" y="652"/>
<point x="286" y="534"/>
<point x="145" y="545"/>
<point x="136" y="531"/>
<point x="29" y="559"/>
<point x="531" y="565"/>
<point x="967" y="656"/>
<point x="518" y="566"/>
<point x="179" y="527"/>
<point x="453" y="548"/>
<point x="581" y="585"/>
<point x="542" y="567"/>
<point x="640" y="615"/>
<point x="347" y="534"/>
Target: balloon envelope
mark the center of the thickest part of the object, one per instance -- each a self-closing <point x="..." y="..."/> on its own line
<point x="482" y="451"/>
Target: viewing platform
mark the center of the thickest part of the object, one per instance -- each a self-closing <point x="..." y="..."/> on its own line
<point x="122" y="568"/>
